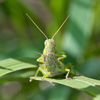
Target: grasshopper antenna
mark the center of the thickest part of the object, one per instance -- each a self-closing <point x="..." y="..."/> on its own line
<point x="36" y="25"/>
<point x="38" y="53"/>
<point x="60" y="26"/>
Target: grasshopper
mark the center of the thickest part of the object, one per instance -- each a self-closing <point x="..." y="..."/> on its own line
<point x="50" y="63"/>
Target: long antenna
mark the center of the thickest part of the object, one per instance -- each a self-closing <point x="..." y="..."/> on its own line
<point x="38" y="53"/>
<point x="60" y="26"/>
<point x="36" y="25"/>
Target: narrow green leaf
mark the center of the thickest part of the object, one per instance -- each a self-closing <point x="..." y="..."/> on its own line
<point x="88" y="85"/>
<point x="14" y="64"/>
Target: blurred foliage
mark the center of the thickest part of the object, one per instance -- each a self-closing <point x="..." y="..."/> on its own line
<point x="79" y="39"/>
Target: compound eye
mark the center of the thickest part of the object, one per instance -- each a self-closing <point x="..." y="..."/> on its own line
<point x="45" y="42"/>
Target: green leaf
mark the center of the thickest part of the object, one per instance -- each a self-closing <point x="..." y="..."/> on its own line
<point x="14" y="64"/>
<point x="88" y="85"/>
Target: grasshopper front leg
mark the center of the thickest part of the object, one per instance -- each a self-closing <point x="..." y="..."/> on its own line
<point x="60" y="55"/>
<point x="40" y="59"/>
<point x="32" y="78"/>
<point x="45" y="74"/>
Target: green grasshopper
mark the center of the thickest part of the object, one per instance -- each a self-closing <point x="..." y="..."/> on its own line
<point x="50" y="63"/>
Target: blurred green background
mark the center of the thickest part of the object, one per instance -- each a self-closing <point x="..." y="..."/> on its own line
<point x="79" y="38"/>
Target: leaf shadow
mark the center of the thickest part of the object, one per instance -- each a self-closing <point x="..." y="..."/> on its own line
<point x="92" y="90"/>
<point x="64" y="76"/>
<point x="5" y="68"/>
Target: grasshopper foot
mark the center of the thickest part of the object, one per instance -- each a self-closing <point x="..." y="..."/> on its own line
<point x="50" y="82"/>
<point x="68" y="78"/>
<point x="31" y="79"/>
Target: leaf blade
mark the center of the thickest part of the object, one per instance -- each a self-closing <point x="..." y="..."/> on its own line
<point x="88" y="85"/>
<point x="15" y="64"/>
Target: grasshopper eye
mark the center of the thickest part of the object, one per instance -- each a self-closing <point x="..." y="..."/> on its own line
<point x="45" y="42"/>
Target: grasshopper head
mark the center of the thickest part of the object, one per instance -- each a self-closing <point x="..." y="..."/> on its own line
<point x="49" y="42"/>
<point x="49" y="46"/>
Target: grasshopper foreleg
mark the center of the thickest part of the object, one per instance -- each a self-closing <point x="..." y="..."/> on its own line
<point x="39" y="69"/>
<point x="43" y="78"/>
<point x="62" y="57"/>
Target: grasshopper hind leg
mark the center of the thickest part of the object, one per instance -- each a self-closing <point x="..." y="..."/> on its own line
<point x="46" y="75"/>
<point x="50" y="82"/>
<point x="68" y="68"/>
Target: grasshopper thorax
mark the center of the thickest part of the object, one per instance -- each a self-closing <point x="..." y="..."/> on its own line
<point x="49" y="59"/>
